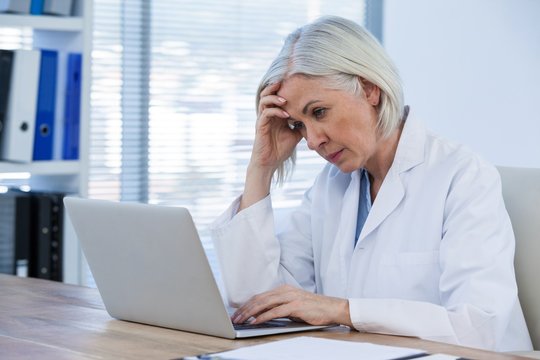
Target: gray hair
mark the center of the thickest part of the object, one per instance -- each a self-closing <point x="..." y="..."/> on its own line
<point x="342" y="52"/>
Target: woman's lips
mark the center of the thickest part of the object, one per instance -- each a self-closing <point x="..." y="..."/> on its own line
<point x="334" y="156"/>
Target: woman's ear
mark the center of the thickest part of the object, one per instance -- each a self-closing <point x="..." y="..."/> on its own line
<point x="372" y="92"/>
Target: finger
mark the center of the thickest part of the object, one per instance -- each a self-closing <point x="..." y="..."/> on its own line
<point x="263" y="303"/>
<point x="288" y="301"/>
<point x="256" y="305"/>
<point x="247" y="311"/>
<point x="271" y="101"/>
<point x="282" y="311"/>
<point x="275" y="296"/>
<point x="270" y="114"/>
<point x="270" y="89"/>
<point x="242" y="313"/>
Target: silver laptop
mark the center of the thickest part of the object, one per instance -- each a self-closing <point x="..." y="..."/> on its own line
<point x="150" y="267"/>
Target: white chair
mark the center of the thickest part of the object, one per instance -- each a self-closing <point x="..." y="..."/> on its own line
<point x="521" y="193"/>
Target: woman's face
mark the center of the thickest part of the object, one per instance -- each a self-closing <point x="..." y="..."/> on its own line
<point x="340" y="126"/>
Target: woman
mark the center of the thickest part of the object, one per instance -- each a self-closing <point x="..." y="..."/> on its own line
<point x="401" y="233"/>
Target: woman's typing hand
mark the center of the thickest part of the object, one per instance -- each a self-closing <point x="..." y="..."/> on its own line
<point x="290" y="302"/>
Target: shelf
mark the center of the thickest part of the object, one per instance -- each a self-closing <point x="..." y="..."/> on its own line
<point x="42" y="168"/>
<point x="42" y="22"/>
<point x="64" y="34"/>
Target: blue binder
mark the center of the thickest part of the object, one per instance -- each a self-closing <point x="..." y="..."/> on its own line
<point x="72" y="109"/>
<point x="46" y="103"/>
<point x="36" y="7"/>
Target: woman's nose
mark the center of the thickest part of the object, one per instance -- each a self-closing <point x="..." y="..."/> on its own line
<point x="315" y="137"/>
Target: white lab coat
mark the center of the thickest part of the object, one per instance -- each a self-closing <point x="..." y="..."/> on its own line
<point x="434" y="258"/>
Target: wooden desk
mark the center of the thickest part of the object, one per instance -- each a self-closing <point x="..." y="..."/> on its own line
<point x="49" y="320"/>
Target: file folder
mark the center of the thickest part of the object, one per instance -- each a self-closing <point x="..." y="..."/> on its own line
<point x="72" y="107"/>
<point x="18" y="138"/>
<point x="46" y="103"/>
<point x="6" y="59"/>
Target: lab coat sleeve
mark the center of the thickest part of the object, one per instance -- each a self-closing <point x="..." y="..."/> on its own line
<point x="253" y="259"/>
<point x="478" y="292"/>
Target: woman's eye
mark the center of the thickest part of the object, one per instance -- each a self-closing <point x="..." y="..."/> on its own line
<point x="295" y="125"/>
<point x="319" y="112"/>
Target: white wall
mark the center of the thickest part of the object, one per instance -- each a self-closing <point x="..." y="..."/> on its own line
<point x="471" y="70"/>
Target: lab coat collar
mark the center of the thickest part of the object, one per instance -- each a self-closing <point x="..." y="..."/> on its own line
<point x="411" y="147"/>
<point x="409" y="153"/>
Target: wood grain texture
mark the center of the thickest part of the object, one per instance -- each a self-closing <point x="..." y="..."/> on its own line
<point x="50" y="320"/>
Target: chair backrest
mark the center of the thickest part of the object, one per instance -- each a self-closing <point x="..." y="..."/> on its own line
<point x="521" y="192"/>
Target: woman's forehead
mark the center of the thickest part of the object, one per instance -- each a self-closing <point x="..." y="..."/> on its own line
<point x="301" y="85"/>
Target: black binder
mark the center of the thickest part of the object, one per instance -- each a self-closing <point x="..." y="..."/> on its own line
<point x="16" y="232"/>
<point x="7" y="233"/>
<point x="6" y="60"/>
<point x="24" y="220"/>
<point x="48" y="239"/>
<point x="31" y="241"/>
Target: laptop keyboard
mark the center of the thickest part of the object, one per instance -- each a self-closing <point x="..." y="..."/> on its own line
<point x="268" y="324"/>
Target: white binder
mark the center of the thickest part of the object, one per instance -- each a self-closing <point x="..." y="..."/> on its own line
<point x="57" y="7"/>
<point x="18" y="135"/>
<point x="15" y="6"/>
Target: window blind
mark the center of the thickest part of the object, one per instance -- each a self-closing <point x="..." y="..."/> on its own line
<point x="173" y="99"/>
<point x="16" y="38"/>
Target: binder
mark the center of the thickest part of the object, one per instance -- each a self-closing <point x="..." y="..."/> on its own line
<point x="24" y="220"/>
<point x="72" y="107"/>
<point x="46" y="102"/>
<point x="48" y="239"/>
<point x="7" y="234"/>
<point x="16" y="228"/>
<point x="57" y="7"/>
<point x="18" y="134"/>
<point x="58" y="141"/>
<point x="6" y="59"/>
<point x="31" y="234"/>
<point x="36" y="7"/>
<point x="15" y="6"/>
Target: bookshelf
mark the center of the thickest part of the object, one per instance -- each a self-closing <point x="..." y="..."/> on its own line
<point x="64" y="34"/>
<point x="42" y="168"/>
<point x="43" y="22"/>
